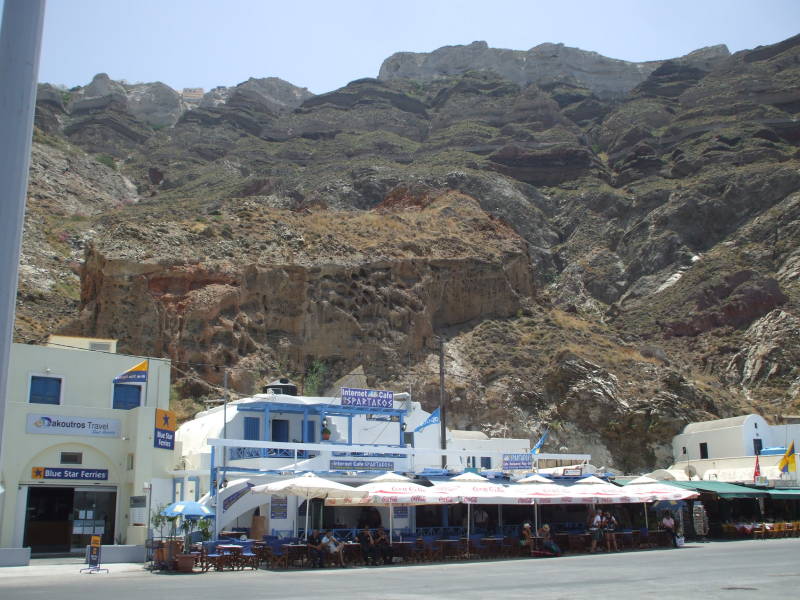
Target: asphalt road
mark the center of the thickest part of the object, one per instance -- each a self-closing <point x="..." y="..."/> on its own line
<point x="741" y="569"/>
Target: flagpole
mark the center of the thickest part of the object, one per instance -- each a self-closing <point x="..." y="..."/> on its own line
<point x="146" y="381"/>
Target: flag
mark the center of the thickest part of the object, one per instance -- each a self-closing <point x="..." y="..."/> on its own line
<point x="788" y="462"/>
<point x="433" y="419"/>
<point x="757" y="470"/>
<point x="136" y="374"/>
<point x="537" y="448"/>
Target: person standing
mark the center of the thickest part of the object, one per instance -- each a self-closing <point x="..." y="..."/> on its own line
<point x="668" y="523"/>
<point x="383" y="546"/>
<point x="609" y="527"/>
<point x="596" y="529"/>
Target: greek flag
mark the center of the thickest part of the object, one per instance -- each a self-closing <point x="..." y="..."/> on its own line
<point x="433" y="419"/>
<point x="537" y="448"/>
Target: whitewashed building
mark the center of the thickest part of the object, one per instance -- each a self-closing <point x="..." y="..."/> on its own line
<point x="79" y="455"/>
<point x="228" y="449"/>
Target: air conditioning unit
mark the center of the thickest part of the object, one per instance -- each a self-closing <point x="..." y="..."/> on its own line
<point x="762" y="480"/>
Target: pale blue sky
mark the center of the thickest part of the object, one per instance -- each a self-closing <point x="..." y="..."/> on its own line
<point x="323" y="45"/>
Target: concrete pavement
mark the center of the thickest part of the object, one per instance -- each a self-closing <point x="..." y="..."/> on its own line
<point x="714" y="570"/>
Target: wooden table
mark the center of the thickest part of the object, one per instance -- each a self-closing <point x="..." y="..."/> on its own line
<point x="404" y="549"/>
<point x="451" y="548"/>
<point x="493" y="545"/>
<point x="296" y="553"/>
<point x="231" y="556"/>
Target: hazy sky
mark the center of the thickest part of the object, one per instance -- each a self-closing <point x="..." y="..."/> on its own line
<point x="324" y="44"/>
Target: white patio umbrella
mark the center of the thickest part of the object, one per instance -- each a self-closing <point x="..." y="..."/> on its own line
<point x="526" y="487"/>
<point x="471" y="489"/>
<point x="594" y="490"/>
<point x="653" y="490"/>
<point x="310" y="486"/>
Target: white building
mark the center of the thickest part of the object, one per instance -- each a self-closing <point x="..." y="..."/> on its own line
<point x="725" y="450"/>
<point x="79" y="450"/>
<point x="271" y="436"/>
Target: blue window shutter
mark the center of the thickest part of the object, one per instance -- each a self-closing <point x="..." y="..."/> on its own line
<point x="45" y="390"/>
<point x="311" y="432"/>
<point x="126" y="396"/>
<point x="251" y="428"/>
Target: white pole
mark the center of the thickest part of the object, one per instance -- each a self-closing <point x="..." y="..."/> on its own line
<point x="20" y="44"/>
<point x="391" y="524"/>
<point x="308" y="501"/>
<point x="468" y="519"/>
<point x="535" y="518"/>
<point x="646" y="520"/>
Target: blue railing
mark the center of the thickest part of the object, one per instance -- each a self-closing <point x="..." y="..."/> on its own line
<point x="240" y="453"/>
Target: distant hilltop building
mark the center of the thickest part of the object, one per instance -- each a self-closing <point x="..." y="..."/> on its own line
<point x="192" y="95"/>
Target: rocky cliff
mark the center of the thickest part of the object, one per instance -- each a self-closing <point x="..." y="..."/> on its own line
<point x="607" y="247"/>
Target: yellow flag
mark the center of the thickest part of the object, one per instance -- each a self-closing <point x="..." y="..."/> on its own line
<point x="788" y="462"/>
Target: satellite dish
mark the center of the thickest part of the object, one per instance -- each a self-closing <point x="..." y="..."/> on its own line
<point x="690" y="472"/>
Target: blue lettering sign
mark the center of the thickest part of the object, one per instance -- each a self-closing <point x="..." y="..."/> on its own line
<point x="362" y="465"/>
<point x="164" y="439"/>
<point x="367" y="398"/>
<point x="68" y="473"/>
<point x="516" y="462"/>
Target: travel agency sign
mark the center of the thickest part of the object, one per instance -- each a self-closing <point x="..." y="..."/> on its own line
<point x="67" y="425"/>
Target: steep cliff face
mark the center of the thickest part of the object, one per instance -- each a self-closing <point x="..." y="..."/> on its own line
<point x="608" y="247"/>
<point x="545" y="64"/>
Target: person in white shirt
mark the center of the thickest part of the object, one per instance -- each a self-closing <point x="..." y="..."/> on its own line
<point x="596" y="529"/>
<point x="334" y="546"/>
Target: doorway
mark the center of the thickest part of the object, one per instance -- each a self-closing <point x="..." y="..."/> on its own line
<point x="63" y="519"/>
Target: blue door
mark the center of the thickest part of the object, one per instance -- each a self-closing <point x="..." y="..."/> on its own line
<point x="311" y="432"/>
<point x="280" y="430"/>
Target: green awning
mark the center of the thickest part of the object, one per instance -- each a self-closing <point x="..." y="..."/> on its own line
<point x="785" y="494"/>
<point x="720" y="488"/>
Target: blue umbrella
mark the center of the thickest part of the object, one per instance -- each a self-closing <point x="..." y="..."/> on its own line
<point x="187" y="510"/>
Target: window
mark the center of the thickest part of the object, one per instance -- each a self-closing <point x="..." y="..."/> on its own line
<point x="251" y="428"/>
<point x="703" y="450"/>
<point x="130" y="462"/>
<point x="486" y="462"/>
<point x="100" y="346"/>
<point x="72" y="458"/>
<point x="126" y="396"/>
<point x="757" y="445"/>
<point x="45" y="390"/>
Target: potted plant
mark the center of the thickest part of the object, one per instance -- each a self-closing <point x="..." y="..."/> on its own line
<point x="185" y="561"/>
<point x="326" y="433"/>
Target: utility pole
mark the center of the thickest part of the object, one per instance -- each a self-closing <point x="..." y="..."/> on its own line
<point x="442" y="428"/>
<point x="20" y="45"/>
<point x="224" y="419"/>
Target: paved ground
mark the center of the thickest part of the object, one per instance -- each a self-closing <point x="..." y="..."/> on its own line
<point x="741" y="569"/>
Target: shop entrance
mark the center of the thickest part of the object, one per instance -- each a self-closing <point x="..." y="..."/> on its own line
<point x="63" y="519"/>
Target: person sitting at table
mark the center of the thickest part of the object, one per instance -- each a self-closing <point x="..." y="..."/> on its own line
<point x="547" y="540"/>
<point x="526" y="538"/>
<point x="596" y="529"/>
<point x="383" y="546"/>
<point x="333" y="546"/>
<point x="610" y="525"/>
<point x="316" y="549"/>
<point x="668" y="523"/>
<point x="368" y="548"/>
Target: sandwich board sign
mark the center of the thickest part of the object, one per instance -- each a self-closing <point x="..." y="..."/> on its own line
<point x="95" y="546"/>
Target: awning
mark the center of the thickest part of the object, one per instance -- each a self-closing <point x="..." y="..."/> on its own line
<point x="720" y="488"/>
<point x="785" y="494"/>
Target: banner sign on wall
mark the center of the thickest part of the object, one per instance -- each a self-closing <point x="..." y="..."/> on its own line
<point x="380" y="417"/>
<point x="65" y="425"/>
<point x="278" y="508"/>
<point x="69" y="473"/>
<point x="367" y="398"/>
<point x="362" y="465"/>
<point x="166" y="424"/>
<point x="515" y="462"/>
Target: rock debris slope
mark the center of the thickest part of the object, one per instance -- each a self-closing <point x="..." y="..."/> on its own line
<point x="607" y="247"/>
